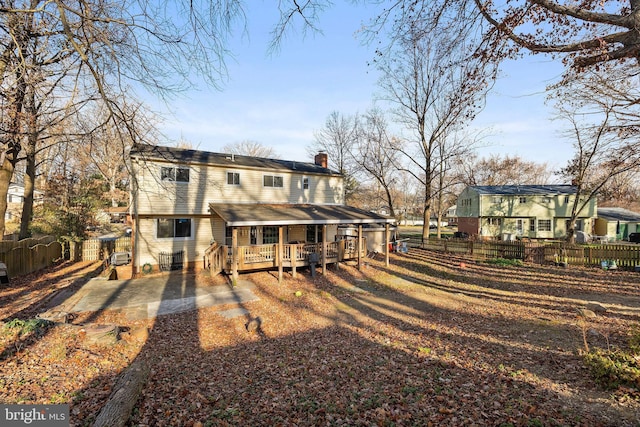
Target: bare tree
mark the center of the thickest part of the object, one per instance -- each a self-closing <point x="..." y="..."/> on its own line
<point x="374" y="153"/>
<point x="338" y="139"/>
<point x="436" y="87"/>
<point x="605" y="146"/>
<point x="587" y="33"/>
<point x="502" y="170"/>
<point x="250" y="148"/>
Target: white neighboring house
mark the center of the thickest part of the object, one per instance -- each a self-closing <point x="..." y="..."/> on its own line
<point x="15" y="200"/>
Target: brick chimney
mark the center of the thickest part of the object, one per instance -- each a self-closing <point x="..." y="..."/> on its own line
<point x="321" y="159"/>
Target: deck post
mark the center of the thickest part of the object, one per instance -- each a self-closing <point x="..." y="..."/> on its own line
<point x="359" y="247"/>
<point x="386" y="244"/>
<point x="280" y="253"/>
<point x="294" y="260"/>
<point x="324" y="249"/>
<point x="234" y="256"/>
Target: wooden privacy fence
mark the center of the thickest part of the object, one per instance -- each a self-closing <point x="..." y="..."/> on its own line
<point x="625" y="256"/>
<point x="29" y="255"/>
<point x="98" y="249"/>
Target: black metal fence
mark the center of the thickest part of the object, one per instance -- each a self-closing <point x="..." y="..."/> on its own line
<point x="171" y="260"/>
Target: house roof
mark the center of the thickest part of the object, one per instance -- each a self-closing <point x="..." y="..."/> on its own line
<point x="287" y="214"/>
<point x="171" y="154"/>
<point x="618" y="214"/>
<point x="516" y="190"/>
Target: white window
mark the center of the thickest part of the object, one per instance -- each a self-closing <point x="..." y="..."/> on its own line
<point x="496" y="199"/>
<point x="174" y="174"/>
<point x="272" y="181"/>
<point x="566" y="200"/>
<point x="519" y="226"/>
<point x="523" y="200"/>
<point x="495" y="221"/>
<point x="305" y="183"/>
<point x="532" y="224"/>
<point x="171" y="228"/>
<point x="544" y="225"/>
<point x="546" y="199"/>
<point x="233" y="178"/>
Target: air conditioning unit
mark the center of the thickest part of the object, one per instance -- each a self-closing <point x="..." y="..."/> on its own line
<point x="120" y="258"/>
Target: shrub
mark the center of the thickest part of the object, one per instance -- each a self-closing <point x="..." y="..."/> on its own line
<point x="614" y="369"/>
<point x="503" y="262"/>
<point x="24" y="327"/>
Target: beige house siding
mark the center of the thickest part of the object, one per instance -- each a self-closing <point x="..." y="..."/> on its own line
<point x="149" y="245"/>
<point x="208" y="184"/>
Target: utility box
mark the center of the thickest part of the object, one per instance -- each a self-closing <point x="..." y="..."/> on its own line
<point x="120" y="258"/>
<point x="4" y="273"/>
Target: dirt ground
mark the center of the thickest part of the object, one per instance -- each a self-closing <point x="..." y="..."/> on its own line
<point x="433" y="339"/>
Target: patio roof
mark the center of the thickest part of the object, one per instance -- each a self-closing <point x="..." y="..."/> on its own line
<point x="242" y="215"/>
<point x="618" y="214"/>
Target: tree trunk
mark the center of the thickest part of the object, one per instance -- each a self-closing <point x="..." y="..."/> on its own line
<point x="29" y="183"/>
<point x="6" y="174"/>
<point x="27" y="204"/>
<point x="117" y="410"/>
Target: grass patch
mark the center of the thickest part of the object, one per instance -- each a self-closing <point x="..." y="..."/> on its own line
<point x="504" y="262"/>
<point x="24" y="327"/>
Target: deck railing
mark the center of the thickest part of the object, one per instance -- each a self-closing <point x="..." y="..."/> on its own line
<point x="256" y="257"/>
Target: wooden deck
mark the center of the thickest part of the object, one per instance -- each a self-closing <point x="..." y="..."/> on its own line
<point x="260" y="257"/>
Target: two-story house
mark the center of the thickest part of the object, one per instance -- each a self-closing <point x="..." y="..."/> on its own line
<point x="509" y="211"/>
<point x="189" y="201"/>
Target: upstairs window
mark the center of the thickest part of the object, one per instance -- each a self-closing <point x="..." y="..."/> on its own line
<point x="546" y="199"/>
<point x="496" y="199"/>
<point x="305" y="183"/>
<point x="566" y="200"/>
<point x="233" y="178"/>
<point x="522" y="200"/>
<point x="174" y="174"/>
<point x="273" y="181"/>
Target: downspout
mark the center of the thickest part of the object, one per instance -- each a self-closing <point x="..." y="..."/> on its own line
<point x="136" y="220"/>
<point x="480" y="215"/>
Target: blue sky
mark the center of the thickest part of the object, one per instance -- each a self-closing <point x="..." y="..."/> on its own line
<point x="279" y="100"/>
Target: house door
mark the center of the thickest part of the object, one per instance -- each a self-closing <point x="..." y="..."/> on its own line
<point x="314" y="234"/>
<point x="519" y="226"/>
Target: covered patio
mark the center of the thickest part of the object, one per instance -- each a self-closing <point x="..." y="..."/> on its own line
<point x="289" y="250"/>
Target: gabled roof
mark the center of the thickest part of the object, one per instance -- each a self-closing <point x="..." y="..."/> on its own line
<point x="515" y="190"/>
<point x="180" y="155"/>
<point x="618" y="214"/>
<point x="242" y="215"/>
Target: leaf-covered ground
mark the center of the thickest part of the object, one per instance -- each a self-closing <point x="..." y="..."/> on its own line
<point x="432" y="339"/>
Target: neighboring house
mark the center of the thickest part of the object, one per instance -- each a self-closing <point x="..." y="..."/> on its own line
<point x="15" y="200"/>
<point x="113" y="215"/>
<point x="616" y="223"/>
<point x="192" y="201"/>
<point x="451" y="216"/>
<point x="510" y="211"/>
